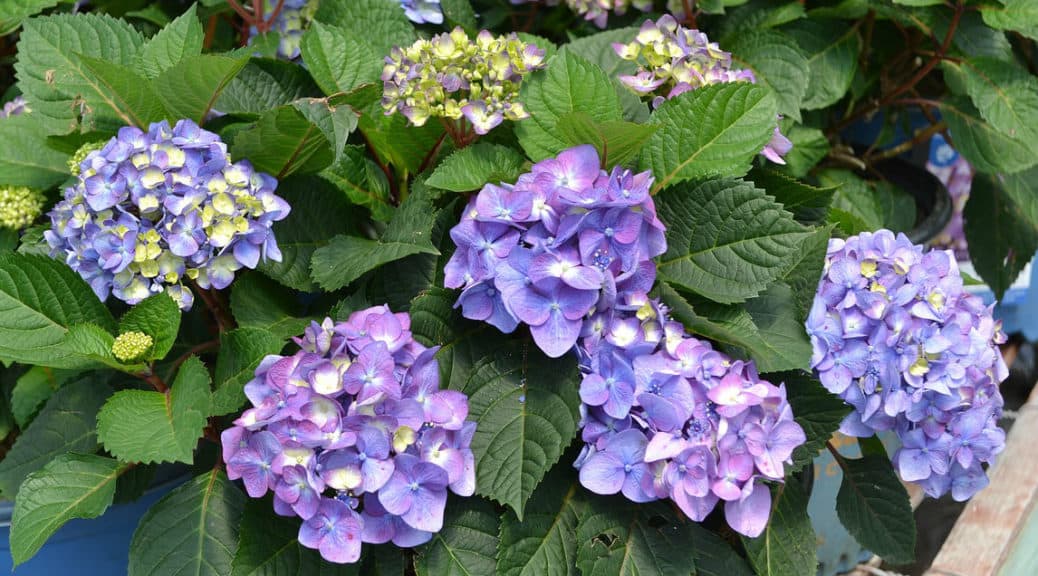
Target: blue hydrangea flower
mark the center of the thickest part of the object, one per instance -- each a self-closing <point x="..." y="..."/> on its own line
<point x="896" y="336"/>
<point x="353" y="435"/>
<point x="289" y="24"/>
<point x="14" y="107"/>
<point x="151" y="209"/>
<point x="597" y="11"/>
<point x="423" y="11"/>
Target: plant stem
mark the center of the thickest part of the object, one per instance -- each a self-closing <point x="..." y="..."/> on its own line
<point x="836" y="455"/>
<point x="224" y="321"/>
<point x="921" y="136"/>
<point x="269" y="22"/>
<point x="196" y="349"/>
<point x="157" y="383"/>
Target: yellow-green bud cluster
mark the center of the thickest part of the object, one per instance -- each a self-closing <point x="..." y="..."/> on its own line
<point x="81" y="154"/>
<point x="452" y="76"/>
<point x="19" y="206"/>
<point x="130" y="346"/>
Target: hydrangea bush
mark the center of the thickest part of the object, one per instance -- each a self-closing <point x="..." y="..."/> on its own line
<point x="499" y="286"/>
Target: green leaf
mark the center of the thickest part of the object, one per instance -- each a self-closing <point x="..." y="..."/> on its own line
<point x="129" y="95"/>
<point x="362" y="181"/>
<point x="241" y="351"/>
<point x="283" y="141"/>
<point x="66" y="424"/>
<point x="1005" y="94"/>
<point x="765" y="328"/>
<point x="144" y="426"/>
<point x="598" y="50"/>
<point x="338" y="60"/>
<point x="818" y="411"/>
<point x="158" y="317"/>
<point x="1002" y="226"/>
<point x="787" y="546"/>
<point x="53" y="78"/>
<point x="179" y="39"/>
<point x="336" y="122"/>
<point x="810" y="146"/>
<point x="569" y="83"/>
<point x="544" y="543"/>
<point x="778" y="63"/>
<point x="395" y="142"/>
<point x="192" y="530"/>
<point x="525" y="404"/>
<point x="616" y="141"/>
<point x="987" y="149"/>
<point x="263" y="84"/>
<point x="25" y="158"/>
<point x="714" y="556"/>
<point x="873" y="505"/>
<point x="381" y="23"/>
<point x="40" y="299"/>
<point x="346" y="258"/>
<point x="713" y="131"/>
<point x="757" y="14"/>
<point x="319" y="212"/>
<point x="12" y="12"/>
<point x="258" y="302"/>
<point x="832" y="59"/>
<point x="70" y="486"/>
<point x="726" y="239"/>
<point x="403" y="280"/>
<point x="471" y="167"/>
<point x="34" y="388"/>
<point x="466" y="545"/>
<point x="809" y="204"/>
<point x="190" y="88"/>
<point x="92" y="345"/>
<point x="859" y="205"/>
<point x="460" y="13"/>
<point x="617" y="537"/>
<point x="1016" y="15"/>
<point x="268" y="546"/>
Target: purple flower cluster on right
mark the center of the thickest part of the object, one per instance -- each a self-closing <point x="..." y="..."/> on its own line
<point x="897" y="337"/>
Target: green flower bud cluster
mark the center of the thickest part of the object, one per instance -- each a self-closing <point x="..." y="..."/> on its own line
<point x="452" y="76"/>
<point x="19" y="206"/>
<point x="130" y="346"/>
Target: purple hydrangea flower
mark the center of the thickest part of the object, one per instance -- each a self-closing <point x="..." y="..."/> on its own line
<point x="896" y="336"/>
<point x="289" y="24"/>
<point x="562" y="241"/>
<point x="354" y="419"/>
<point x="666" y="416"/>
<point x="597" y="11"/>
<point x="423" y="11"/>
<point x="14" y="107"/>
<point x="152" y="209"/>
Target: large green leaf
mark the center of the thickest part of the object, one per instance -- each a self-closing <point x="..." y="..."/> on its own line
<point x="70" y="486"/>
<point x="283" y="141"/>
<point x="258" y="302"/>
<point x="335" y="121"/>
<point x="568" y="84"/>
<point x="809" y="204"/>
<point x="1002" y="226"/>
<point x="408" y="148"/>
<point x="617" y="537"/>
<point x="241" y="351"/>
<point x="832" y="59"/>
<point x="345" y="258"/>
<point x="40" y="299"/>
<point x="874" y="507"/>
<point x="714" y="556"/>
<point x="818" y="411"/>
<point x="55" y="82"/>
<point x="33" y="389"/>
<point x="339" y="61"/>
<point x="787" y="546"/>
<point x="1005" y="93"/>
<point x="177" y="40"/>
<point x="861" y="206"/>
<point x="617" y="141"/>
<point x="544" y="543"/>
<point x="190" y="88"/>
<point x="144" y="426"/>
<point x="12" y="12"/>
<point x="1016" y="15"/>
<point x="381" y="23"/>
<point x="525" y="404"/>
<point x="987" y="149"/>
<point x="193" y="530"/>
<point x="726" y="239"/>
<point x="263" y="84"/>
<point x="467" y="544"/>
<point x="25" y="158"/>
<point x="755" y="15"/>
<point x="319" y="212"/>
<point x="777" y="62"/>
<point x="713" y="131"/>
<point x="598" y="50"/>
<point x="473" y="166"/>
<point x="158" y="317"/>
<point x="66" y="424"/>
<point x="129" y="95"/>
<point x="810" y="146"/>
<point x="269" y="547"/>
<point x="363" y="182"/>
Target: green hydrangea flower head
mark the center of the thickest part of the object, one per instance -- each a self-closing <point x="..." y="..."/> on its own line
<point x="131" y="346"/>
<point x="19" y="206"/>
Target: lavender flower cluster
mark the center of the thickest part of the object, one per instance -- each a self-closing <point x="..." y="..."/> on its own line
<point x="897" y="338"/>
<point x="667" y="416"/>
<point x="353" y="435"/>
<point x="423" y="11"/>
<point x="451" y="76"/>
<point x="15" y="107"/>
<point x="567" y="238"/>
<point x="956" y="173"/>
<point x="597" y="11"/>
<point x="153" y="208"/>
<point x="289" y="24"/>
<point x="568" y="251"/>
<point x="673" y="60"/>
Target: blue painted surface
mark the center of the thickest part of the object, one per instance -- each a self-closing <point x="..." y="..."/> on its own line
<point x="98" y="547"/>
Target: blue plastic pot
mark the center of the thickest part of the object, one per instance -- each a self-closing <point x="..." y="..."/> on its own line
<point x="97" y="547"/>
